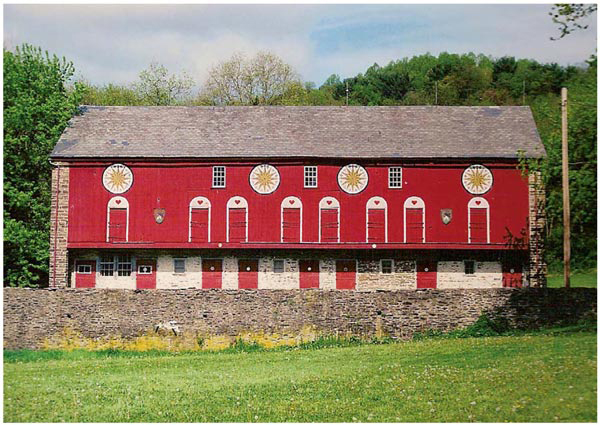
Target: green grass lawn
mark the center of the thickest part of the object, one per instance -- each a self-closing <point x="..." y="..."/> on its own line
<point x="587" y="279"/>
<point x="537" y="377"/>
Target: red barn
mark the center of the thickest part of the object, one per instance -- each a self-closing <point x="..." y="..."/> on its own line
<point x="352" y="198"/>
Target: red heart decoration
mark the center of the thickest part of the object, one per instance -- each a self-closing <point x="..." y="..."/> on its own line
<point x="200" y="202"/>
<point x="414" y="202"/>
<point x="376" y="202"/>
<point x="118" y="201"/>
<point x="328" y="202"/>
<point x="292" y="202"/>
<point x="237" y="201"/>
<point x="478" y="202"/>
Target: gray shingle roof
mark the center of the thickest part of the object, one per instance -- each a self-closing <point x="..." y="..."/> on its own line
<point x="300" y="131"/>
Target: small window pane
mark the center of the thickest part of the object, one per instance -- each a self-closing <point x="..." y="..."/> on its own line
<point x="123" y="265"/>
<point x="278" y="266"/>
<point x="387" y="266"/>
<point x="218" y="176"/>
<point x="179" y="265"/>
<point x="469" y="267"/>
<point x="310" y="176"/>
<point x="107" y="266"/>
<point x="395" y="177"/>
<point x="84" y="269"/>
<point x="143" y="269"/>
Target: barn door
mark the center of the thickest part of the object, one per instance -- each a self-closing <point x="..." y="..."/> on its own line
<point x="145" y="277"/>
<point x="345" y="274"/>
<point x="512" y="275"/>
<point x="117" y="225"/>
<point x="309" y="274"/>
<point x="290" y="226"/>
<point x="329" y="225"/>
<point x="414" y="225"/>
<point x="248" y="274"/>
<point x="376" y="225"/>
<point x="85" y="274"/>
<point x="427" y="274"/>
<point x="199" y="225"/>
<point x="237" y="225"/>
<point x="478" y="225"/>
<point x="212" y="271"/>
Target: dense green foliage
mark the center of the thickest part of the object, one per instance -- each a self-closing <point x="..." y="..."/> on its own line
<point x="530" y="378"/>
<point x="37" y="107"/>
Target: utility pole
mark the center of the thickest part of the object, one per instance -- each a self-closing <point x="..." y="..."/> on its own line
<point x="523" y="102"/>
<point x="565" y="184"/>
<point x="346" y="93"/>
<point x="436" y="93"/>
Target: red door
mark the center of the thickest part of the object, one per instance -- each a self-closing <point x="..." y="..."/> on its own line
<point x="248" y="274"/>
<point x="512" y="275"/>
<point x="117" y="225"/>
<point x="376" y="225"/>
<point x="85" y="274"/>
<point x="478" y="225"/>
<point x="309" y="274"/>
<point x="145" y="278"/>
<point x="345" y="274"/>
<point x="414" y="225"/>
<point x="237" y="225"/>
<point x="426" y="274"/>
<point x="212" y="273"/>
<point x="199" y="225"/>
<point x="290" y="226"/>
<point x="329" y="225"/>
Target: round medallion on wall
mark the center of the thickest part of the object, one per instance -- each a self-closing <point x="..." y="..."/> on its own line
<point x="353" y="178"/>
<point x="477" y="179"/>
<point x="117" y="178"/>
<point x="264" y="179"/>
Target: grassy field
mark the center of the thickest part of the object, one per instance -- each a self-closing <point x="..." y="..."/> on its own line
<point x="537" y="377"/>
<point x="587" y="279"/>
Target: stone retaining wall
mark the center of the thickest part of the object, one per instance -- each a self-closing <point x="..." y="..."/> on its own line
<point x="32" y="315"/>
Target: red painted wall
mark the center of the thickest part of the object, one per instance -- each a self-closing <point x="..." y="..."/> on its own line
<point x="172" y="186"/>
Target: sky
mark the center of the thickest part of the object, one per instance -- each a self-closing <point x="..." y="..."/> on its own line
<point x="113" y="43"/>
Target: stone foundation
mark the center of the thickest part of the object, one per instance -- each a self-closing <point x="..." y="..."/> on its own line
<point x="33" y="315"/>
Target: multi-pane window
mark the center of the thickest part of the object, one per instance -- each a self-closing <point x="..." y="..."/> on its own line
<point x="123" y="265"/>
<point x="179" y="265"/>
<point x="395" y="177"/>
<point x="387" y="266"/>
<point x="84" y="269"/>
<point x="469" y="267"/>
<point x="278" y="266"/>
<point x="107" y="265"/>
<point x="218" y="176"/>
<point x="310" y="176"/>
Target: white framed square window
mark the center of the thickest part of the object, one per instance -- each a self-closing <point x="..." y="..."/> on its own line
<point x="84" y="269"/>
<point x="395" y="177"/>
<point x="387" y="266"/>
<point x="179" y="265"/>
<point x="310" y="176"/>
<point x="218" y="176"/>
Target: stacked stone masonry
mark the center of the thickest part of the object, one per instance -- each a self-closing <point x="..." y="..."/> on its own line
<point x="59" y="225"/>
<point x="33" y="315"/>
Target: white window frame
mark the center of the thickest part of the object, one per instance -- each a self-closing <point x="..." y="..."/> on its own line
<point x="87" y="266"/>
<point x="216" y="168"/>
<point x="111" y="262"/>
<point x="120" y="203"/>
<point x="394" y="170"/>
<point x="175" y="265"/>
<point x="381" y="265"/>
<point x="309" y="168"/>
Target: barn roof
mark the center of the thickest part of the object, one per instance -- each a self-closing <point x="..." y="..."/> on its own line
<point x="300" y="131"/>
